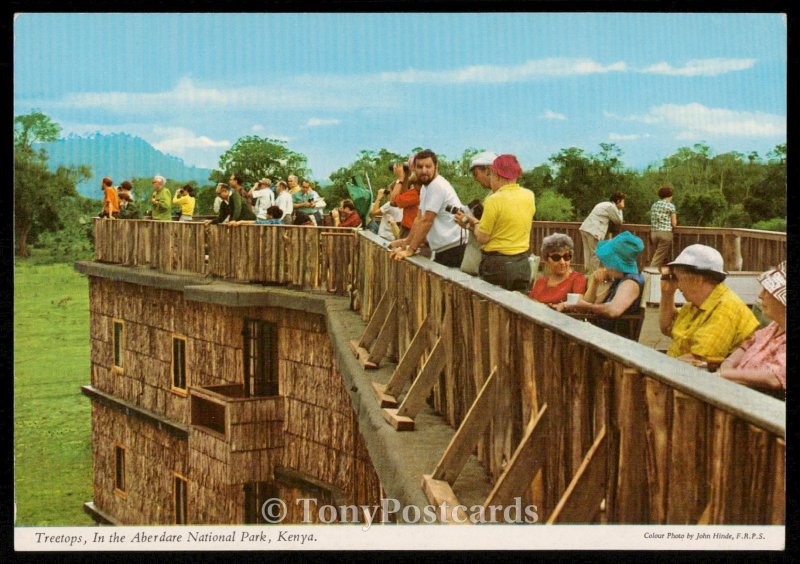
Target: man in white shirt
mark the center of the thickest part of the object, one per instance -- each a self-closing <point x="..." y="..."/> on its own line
<point x="262" y="197"/>
<point x="595" y="227"/>
<point x="438" y="203"/>
<point x="284" y="201"/>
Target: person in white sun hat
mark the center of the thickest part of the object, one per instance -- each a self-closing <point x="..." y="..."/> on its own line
<point x="481" y="168"/>
<point x="714" y="320"/>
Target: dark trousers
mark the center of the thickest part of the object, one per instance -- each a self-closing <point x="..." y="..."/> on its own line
<point x="451" y="257"/>
<point x="512" y="272"/>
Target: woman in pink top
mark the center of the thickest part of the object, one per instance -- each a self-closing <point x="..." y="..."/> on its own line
<point x="760" y="361"/>
<point x="560" y="280"/>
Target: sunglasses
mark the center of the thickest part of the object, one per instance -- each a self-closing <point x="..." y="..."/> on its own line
<point x="556" y="258"/>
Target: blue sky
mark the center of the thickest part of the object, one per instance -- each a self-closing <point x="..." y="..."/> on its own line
<point x="333" y="84"/>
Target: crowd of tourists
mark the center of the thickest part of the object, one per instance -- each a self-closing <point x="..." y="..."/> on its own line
<point x="713" y="328"/>
<point x="288" y="202"/>
<point x="421" y="214"/>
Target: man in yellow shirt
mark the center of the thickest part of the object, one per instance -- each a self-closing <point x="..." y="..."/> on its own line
<point x="714" y="320"/>
<point x="504" y="229"/>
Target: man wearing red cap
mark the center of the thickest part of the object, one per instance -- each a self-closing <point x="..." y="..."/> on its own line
<point x="504" y="230"/>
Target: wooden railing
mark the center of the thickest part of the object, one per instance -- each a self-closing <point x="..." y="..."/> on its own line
<point x="315" y="258"/>
<point x="742" y="249"/>
<point x="168" y="246"/>
<point x="663" y="441"/>
<point x="312" y="258"/>
<point x="678" y="445"/>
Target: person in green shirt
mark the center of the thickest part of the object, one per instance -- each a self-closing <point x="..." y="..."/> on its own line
<point x="161" y="200"/>
<point x="233" y="209"/>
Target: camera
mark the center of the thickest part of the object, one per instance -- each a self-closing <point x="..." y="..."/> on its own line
<point x="666" y="273"/>
<point x="452" y="209"/>
<point x="476" y="207"/>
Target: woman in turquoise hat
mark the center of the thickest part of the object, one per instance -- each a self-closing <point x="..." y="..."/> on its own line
<point x="619" y="259"/>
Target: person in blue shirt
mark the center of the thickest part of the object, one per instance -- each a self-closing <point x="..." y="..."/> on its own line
<point x="274" y="216"/>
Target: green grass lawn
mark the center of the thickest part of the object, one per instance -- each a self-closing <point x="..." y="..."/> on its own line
<point x="52" y="419"/>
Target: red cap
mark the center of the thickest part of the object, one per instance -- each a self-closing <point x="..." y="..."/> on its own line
<point x="507" y="166"/>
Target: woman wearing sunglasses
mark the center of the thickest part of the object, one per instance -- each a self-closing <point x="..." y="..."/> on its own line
<point x="559" y="279"/>
<point x="618" y="257"/>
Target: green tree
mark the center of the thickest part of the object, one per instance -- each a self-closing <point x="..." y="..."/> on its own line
<point x="774" y="224"/>
<point x="205" y="196"/>
<point x="34" y="127"/>
<point x="701" y="208"/>
<point x="255" y="157"/>
<point x="39" y="194"/>
<point x="552" y="206"/>
<point x="538" y="179"/>
<point x="375" y="165"/>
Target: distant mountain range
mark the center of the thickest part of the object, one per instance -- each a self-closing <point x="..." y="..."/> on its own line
<point x="120" y="156"/>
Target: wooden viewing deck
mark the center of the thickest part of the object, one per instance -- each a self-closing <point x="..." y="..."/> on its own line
<point x="587" y="425"/>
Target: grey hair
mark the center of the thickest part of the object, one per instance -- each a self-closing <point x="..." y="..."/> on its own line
<point x="160" y="179"/>
<point x="556" y="242"/>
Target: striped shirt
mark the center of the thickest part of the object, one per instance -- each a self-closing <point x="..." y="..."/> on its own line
<point x="661" y="216"/>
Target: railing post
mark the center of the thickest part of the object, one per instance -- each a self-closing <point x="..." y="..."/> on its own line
<point x="732" y="251"/>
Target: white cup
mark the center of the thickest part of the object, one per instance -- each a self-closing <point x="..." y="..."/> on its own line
<point x="572" y="298"/>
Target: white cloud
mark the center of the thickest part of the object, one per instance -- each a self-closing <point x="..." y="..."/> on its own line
<point x="695" y="121"/>
<point x="627" y="136"/>
<point x="257" y="128"/>
<point x="320" y="122"/>
<point x="553" y="115"/>
<point x="530" y="70"/>
<point x="178" y="140"/>
<point x="701" y="67"/>
<point x="187" y="96"/>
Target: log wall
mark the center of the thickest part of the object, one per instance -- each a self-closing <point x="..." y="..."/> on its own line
<point x="151" y="459"/>
<point x="672" y="452"/>
<point x="311" y="427"/>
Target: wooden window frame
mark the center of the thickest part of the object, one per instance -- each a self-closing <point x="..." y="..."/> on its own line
<point x="255" y="495"/>
<point x="117" y="368"/>
<point x="119" y="447"/>
<point x="175" y="477"/>
<point x="264" y="362"/>
<point x="183" y="392"/>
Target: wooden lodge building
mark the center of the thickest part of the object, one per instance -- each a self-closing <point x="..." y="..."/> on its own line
<point x="234" y="365"/>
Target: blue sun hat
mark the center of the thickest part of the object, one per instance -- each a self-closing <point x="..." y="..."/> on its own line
<point x="621" y="252"/>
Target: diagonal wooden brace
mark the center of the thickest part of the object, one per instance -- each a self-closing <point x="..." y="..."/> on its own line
<point x="438" y="487"/>
<point x="402" y="375"/>
<point x="523" y="466"/>
<point x="374" y="325"/>
<point x="385" y="336"/>
<point x="469" y="432"/>
<point x="581" y="500"/>
<point x="402" y="417"/>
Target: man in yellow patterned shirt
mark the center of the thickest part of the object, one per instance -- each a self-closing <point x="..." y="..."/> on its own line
<point x="714" y="320"/>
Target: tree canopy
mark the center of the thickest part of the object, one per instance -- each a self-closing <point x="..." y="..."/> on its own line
<point x="44" y="201"/>
<point x="255" y="157"/>
<point x="729" y="189"/>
